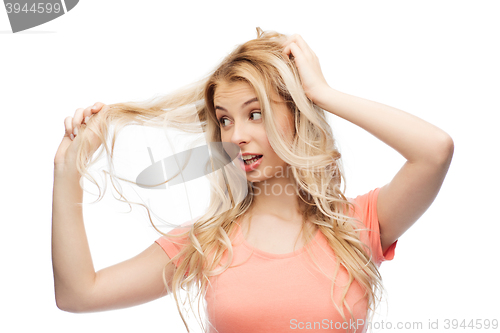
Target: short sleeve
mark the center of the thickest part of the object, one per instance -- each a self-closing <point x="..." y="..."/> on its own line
<point x="172" y="246"/>
<point x="366" y="211"/>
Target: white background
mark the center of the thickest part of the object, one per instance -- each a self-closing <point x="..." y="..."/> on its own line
<point x="437" y="60"/>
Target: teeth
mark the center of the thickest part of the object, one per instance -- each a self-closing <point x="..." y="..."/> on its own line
<point x="248" y="157"/>
<point x="251" y="160"/>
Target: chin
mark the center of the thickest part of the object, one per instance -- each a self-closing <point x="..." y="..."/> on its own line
<point x="254" y="180"/>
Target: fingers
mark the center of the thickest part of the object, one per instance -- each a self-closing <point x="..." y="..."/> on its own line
<point x="77" y="120"/>
<point x="295" y="51"/>
<point x="300" y="43"/>
<point x="87" y="113"/>
<point x="297" y="39"/>
<point x="68" y="127"/>
<point x="81" y="116"/>
<point x="96" y="108"/>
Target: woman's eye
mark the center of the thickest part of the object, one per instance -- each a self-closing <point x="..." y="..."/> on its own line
<point x="221" y="121"/>
<point x="259" y="115"/>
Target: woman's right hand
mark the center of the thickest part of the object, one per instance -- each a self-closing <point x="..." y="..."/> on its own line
<point x="69" y="145"/>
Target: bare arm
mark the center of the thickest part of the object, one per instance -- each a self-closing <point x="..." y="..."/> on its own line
<point x="78" y="288"/>
<point x="427" y="148"/>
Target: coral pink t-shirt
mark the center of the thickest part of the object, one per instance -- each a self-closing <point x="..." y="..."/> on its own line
<point x="267" y="292"/>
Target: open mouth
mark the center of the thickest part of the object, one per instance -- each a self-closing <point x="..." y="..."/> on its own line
<point x="252" y="163"/>
<point x="253" y="160"/>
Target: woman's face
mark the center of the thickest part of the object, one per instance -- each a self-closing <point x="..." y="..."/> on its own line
<point x="240" y="121"/>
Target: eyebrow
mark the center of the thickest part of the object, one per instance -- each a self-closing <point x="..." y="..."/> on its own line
<point x="255" y="99"/>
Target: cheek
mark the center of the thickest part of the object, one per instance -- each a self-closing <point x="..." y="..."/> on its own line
<point x="287" y="129"/>
<point x="264" y="140"/>
<point x="224" y="137"/>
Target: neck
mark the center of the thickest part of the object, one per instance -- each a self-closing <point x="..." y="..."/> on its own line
<point x="276" y="196"/>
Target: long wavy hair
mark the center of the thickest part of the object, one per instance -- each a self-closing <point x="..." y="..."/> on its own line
<point x="312" y="156"/>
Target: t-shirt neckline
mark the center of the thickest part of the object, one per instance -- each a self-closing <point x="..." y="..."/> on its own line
<point x="275" y="255"/>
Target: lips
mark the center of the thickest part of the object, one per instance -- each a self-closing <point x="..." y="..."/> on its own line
<point x="245" y="154"/>
<point x="255" y="161"/>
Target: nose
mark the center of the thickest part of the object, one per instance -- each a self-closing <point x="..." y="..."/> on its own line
<point x="240" y="134"/>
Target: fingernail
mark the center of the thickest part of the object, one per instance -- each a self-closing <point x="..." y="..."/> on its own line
<point x="94" y="107"/>
<point x="75" y="131"/>
<point x="87" y="119"/>
<point x="71" y="136"/>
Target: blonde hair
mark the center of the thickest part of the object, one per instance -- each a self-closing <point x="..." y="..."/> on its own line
<point x="312" y="156"/>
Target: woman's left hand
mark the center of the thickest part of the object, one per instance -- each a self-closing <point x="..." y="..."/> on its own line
<point x="307" y="64"/>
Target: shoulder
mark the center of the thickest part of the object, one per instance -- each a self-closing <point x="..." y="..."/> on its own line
<point x="177" y="237"/>
<point x="365" y="210"/>
<point x="365" y="205"/>
<point x="183" y="228"/>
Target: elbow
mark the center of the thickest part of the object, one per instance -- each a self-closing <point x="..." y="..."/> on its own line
<point x="444" y="150"/>
<point x="68" y="305"/>
<point x="64" y="306"/>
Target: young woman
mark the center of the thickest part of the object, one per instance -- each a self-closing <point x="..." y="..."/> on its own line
<point x="294" y="252"/>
